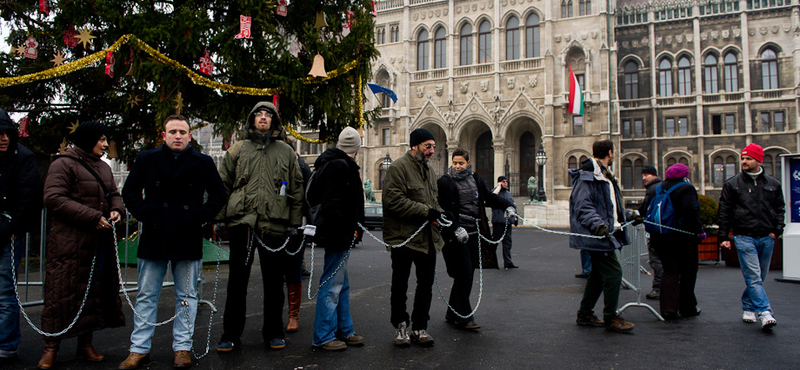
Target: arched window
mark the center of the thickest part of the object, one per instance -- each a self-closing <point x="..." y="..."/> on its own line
<point x="484" y="42"/>
<point x="710" y="72"/>
<point x="572" y="164"/>
<point x="423" y="53"/>
<point x="465" y="38"/>
<point x="768" y="164"/>
<point x="532" y="36"/>
<point x="665" y="78"/>
<point x="563" y="8"/>
<point x="440" y="48"/>
<point x="718" y="170"/>
<point x="627" y="174"/>
<point x="684" y="77"/>
<point x="730" y="167"/>
<point x="631" y="80"/>
<point x="731" y="72"/>
<point x="585" y="7"/>
<point x="769" y="69"/>
<point x="569" y="8"/>
<point x="512" y="39"/>
<point x="637" y="171"/>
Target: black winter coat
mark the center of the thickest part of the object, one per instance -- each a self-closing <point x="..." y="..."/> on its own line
<point x="167" y="194"/>
<point x="20" y="185"/>
<point x="650" y="192"/>
<point x="450" y="200"/>
<point x="751" y="207"/>
<point x="338" y="188"/>
<point x="684" y="202"/>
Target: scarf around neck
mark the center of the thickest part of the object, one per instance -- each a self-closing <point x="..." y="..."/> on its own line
<point x="461" y="175"/>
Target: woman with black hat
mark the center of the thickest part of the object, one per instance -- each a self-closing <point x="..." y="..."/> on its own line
<point x="83" y="200"/>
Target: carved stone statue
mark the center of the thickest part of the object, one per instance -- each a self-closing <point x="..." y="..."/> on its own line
<point x="370" y="196"/>
<point x="533" y="189"/>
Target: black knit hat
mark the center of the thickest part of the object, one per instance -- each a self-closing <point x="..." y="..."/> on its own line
<point x="87" y="134"/>
<point x="419" y="136"/>
<point x="502" y="178"/>
<point x="650" y="169"/>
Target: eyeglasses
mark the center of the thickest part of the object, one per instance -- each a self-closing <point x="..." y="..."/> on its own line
<point x="263" y="113"/>
<point x="429" y="146"/>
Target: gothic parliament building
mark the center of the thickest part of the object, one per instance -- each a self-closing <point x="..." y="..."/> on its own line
<point x="689" y="81"/>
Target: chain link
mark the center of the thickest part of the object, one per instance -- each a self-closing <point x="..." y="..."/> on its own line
<point x="668" y="227"/>
<point x="311" y="277"/>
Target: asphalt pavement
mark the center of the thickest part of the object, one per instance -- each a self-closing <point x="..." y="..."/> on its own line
<point x="527" y="317"/>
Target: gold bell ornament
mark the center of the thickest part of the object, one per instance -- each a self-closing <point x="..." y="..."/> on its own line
<point x="318" y="67"/>
<point x="321" y="22"/>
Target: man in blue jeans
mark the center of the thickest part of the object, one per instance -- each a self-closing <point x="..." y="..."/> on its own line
<point x="751" y="205"/>
<point x="20" y="204"/>
<point x="338" y="191"/>
<point x="166" y="190"/>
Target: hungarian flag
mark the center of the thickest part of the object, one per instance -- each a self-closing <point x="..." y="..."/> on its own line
<point x="575" y="94"/>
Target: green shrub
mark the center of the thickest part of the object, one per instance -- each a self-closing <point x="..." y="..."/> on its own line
<point x="708" y="210"/>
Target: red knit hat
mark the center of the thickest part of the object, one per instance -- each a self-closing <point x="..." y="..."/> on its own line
<point x="754" y="151"/>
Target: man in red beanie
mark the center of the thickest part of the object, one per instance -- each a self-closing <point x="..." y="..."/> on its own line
<point x="751" y="205"/>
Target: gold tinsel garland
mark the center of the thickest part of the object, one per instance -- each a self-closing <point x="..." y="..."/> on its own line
<point x="84" y="62"/>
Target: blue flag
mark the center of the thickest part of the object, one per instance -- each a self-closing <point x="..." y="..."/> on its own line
<point x="380" y="89"/>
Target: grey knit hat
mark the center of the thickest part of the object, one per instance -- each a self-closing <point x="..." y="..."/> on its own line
<point x="349" y="140"/>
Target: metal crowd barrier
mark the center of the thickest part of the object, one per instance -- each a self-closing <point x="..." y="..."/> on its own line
<point x="629" y="258"/>
<point x="31" y="283"/>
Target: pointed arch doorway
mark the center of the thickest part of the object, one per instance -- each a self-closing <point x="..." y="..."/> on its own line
<point x="483" y="163"/>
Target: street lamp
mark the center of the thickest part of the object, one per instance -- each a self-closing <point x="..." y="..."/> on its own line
<point x="387" y="161"/>
<point x="541" y="159"/>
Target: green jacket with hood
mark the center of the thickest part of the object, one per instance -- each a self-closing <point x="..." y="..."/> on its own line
<point x="409" y="191"/>
<point x="252" y="173"/>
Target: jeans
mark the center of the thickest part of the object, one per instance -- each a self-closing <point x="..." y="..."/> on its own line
<point x="332" y="318"/>
<point x="151" y="277"/>
<point x="458" y="260"/>
<point x="586" y="262"/>
<point x="402" y="258"/>
<point x="605" y="278"/>
<point x="9" y="310"/>
<point x="498" y="232"/>
<point x="755" y="255"/>
<point x="272" y="272"/>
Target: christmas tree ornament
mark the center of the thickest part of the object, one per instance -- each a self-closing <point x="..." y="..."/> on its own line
<point x="178" y="103"/>
<point x="23" y="127"/>
<point x="58" y="59"/>
<point x="19" y="50"/>
<point x="110" y="64"/>
<point x="85" y="37"/>
<point x="30" y="46"/>
<point x="276" y="101"/>
<point x="321" y="22"/>
<point x="374" y="9"/>
<point x="206" y="64"/>
<point x="134" y="100"/>
<point x="350" y="15"/>
<point x="73" y="126"/>
<point x="44" y="7"/>
<point x="318" y="67"/>
<point x="70" y="37"/>
<point x="282" y="8"/>
<point x="64" y="146"/>
<point x="244" y="27"/>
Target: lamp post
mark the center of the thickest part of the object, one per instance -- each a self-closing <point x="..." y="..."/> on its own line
<point x="541" y="159"/>
<point x="387" y="161"/>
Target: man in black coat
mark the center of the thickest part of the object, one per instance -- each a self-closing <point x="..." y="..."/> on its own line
<point x="650" y="179"/>
<point x="20" y="206"/>
<point x="174" y="179"/>
<point x="464" y="193"/>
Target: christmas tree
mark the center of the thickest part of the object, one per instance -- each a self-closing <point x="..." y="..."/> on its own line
<point x="208" y="60"/>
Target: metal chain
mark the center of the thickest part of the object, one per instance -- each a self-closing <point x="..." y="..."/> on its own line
<point x="311" y="277"/>
<point x="668" y="227"/>
<point x="414" y="235"/>
<point x="22" y="309"/>
<point x="213" y="303"/>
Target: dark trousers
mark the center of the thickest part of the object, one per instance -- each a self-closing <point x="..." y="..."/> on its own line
<point x="272" y="269"/>
<point x="497" y="232"/>
<point x="605" y="278"/>
<point x="402" y="258"/>
<point x="460" y="260"/>
<point x="679" y="259"/>
<point x="293" y="271"/>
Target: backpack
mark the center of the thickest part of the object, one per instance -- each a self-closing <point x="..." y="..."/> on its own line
<point x="660" y="212"/>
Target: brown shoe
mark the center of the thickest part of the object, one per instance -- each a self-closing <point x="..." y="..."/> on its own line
<point x="354" y="340"/>
<point x="86" y="350"/>
<point x="134" y="361"/>
<point x="590" y="320"/>
<point x="619" y="325"/>
<point x="49" y="356"/>
<point x="294" y="297"/>
<point x="334" y="345"/>
<point x="182" y="360"/>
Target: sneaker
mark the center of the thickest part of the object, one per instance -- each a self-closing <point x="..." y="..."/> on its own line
<point x="402" y="335"/>
<point x="749" y="316"/>
<point x="335" y="345"/>
<point x="654" y="294"/>
<point x="225" y="346"/>
<point x="767" y="321"/>
<point x="354" y="340"/>
<point x="277" y="343"/>
<point x="470" y="325"/>
<point x="618" y="325"/>
<point x="582" y="276"/>
<point x="422" y="337"/>
<point x="590" y="320"/>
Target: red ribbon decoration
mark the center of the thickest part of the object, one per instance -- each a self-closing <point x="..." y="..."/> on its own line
<point x="23" y="127"/>
<point x="110" y="64"/>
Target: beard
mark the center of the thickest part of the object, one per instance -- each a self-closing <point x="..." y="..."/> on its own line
<point x="420" y="156"/>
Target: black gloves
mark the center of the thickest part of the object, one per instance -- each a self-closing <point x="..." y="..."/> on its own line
<point x="433" y="214"/>
<point x="638" y="220"/>
<point x="602" y="230"/>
